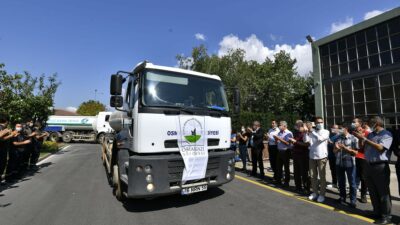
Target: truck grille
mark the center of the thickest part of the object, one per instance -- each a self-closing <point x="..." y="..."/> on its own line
<point x="175" y="169"/>
<point x="173" y="143"/>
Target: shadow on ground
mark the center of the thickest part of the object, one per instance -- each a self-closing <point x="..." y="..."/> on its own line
<point x="173" y="201"/>
<point x="330" y="199"/>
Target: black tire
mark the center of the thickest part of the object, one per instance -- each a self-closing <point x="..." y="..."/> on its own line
<point x="67" y="137"/>
<point x="118" y="188"/>
<point x="100" y="138"/>
<point x="54" y="137"/>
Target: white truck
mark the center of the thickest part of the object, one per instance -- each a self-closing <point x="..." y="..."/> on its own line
<point x="78" y="128"/>
<point x="172" y="132"/>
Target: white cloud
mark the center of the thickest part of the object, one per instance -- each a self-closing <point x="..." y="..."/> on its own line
<point x="373" y="13"/>
<point x="256" y="50"/>
<point x="337" y="26"/>
<point x="200" y="37"/>
<point x="71" y="109"/>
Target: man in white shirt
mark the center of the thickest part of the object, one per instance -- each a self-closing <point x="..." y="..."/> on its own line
<point x="272" y="145"/>
<point x="318" y="141"/>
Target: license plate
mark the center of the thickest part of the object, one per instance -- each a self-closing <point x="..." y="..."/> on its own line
<point x="194" y="189"/>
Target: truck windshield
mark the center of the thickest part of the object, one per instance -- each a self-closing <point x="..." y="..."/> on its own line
<point x="169" y="89"/>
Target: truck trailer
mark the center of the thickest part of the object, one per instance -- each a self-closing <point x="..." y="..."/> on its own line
<point x="78" y="128"/>
<point x="172" y="132"/>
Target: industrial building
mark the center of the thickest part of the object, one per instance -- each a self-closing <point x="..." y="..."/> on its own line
<point x="357" y="71"/>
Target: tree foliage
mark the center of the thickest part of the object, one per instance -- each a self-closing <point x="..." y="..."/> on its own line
<point x="91" y="108"/>
<point x="23" y="96"/>
<point x="273" y="86"/>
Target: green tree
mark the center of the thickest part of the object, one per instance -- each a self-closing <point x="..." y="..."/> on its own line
<point x="91" y="108"/>
<point x="23" y="96"/>
<point x="273" y="86"/>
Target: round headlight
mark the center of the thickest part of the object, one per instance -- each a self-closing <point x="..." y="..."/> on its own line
<point x="139" y="169"/>
<point x="150" y="187"/>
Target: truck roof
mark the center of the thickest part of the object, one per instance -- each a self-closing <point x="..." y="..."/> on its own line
<point x="177" y="70"/>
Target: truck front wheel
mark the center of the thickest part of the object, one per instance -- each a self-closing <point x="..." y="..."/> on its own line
<point x="100" y="138"/>
<point x="117" y="184"/>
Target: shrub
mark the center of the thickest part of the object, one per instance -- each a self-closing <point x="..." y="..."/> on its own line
<point x="247" y="118"/>
<point x="49" y="146"/>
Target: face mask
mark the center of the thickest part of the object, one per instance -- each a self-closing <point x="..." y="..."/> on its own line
<point x="243" y="129"/>
<point x="340" y="132"/>
<point x="353" y="126"/>
<point x="319" y="126"/>
<point x="18" y="129"/>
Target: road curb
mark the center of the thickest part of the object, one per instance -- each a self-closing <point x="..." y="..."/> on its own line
<point x="49" y="154"/>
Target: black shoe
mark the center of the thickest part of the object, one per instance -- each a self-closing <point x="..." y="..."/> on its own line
<point x="286" y="185"/>
<point x="353" y="205"/>
<point x="383" y="221"/>
<point x="341" y="200"/>
<point x="363" y="199"/>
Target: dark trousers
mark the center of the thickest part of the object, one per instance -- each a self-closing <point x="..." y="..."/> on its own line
<point x="3" y="160"/>
<point x="243" y="155"/>
<point x="257" y="157"/>
<point x="350" y="172"/>
<point x="300" y="167"/>
<point x="27" y="154"/>
<point x="283" y="160"/>
<point x="332" y="165"/>
<point x="35" y="154"/>
<point x="360" y="164"/>
<point x="378" y="180"/>
<point x="273" y="153"/>
<point x="15" y="163"/>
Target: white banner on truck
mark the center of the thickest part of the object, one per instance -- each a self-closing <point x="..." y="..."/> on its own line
<point x="192" y="143"/>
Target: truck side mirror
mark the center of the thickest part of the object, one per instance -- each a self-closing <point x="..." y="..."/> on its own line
<point x="116" y="84"/>
<point x="236" y="100"/>
<point x="116" y="101"/>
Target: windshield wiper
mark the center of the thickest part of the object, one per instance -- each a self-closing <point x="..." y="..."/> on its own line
<point x="224" y="112"/>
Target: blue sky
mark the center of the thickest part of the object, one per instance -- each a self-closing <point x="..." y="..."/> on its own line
<point x="85" y="41"/>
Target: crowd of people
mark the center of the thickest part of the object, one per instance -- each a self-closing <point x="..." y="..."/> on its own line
<point x="358" y="153"/>
<point x="20" y="147"/>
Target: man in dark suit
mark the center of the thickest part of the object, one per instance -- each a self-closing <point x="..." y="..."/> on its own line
<point x="257" y="146"/>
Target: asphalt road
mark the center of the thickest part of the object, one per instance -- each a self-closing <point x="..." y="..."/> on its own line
<point x="71" y="188"/>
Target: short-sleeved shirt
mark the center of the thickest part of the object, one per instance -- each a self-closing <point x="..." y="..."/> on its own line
<point x="241" y="141"/>
<point x="297" y="147"/>
<point x="4" y="144"/>
<point x="345" y="159"/>
<point x="271" y="133"/>
<point x="383" y="138"/>
<point x="19" y="138"/>
<point x="285" y="135"/>
<point x="38" y="133"/>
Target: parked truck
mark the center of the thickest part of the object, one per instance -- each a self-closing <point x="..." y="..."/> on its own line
<point x="172" y="132"/>
<point x="78" y="128"/>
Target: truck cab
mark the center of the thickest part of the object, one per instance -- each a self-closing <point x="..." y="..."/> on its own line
<point x="165" y="112"/>
<point x="101" y="126"/>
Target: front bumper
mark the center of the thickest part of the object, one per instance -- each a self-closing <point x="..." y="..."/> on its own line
<point x="167" y="170"/>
